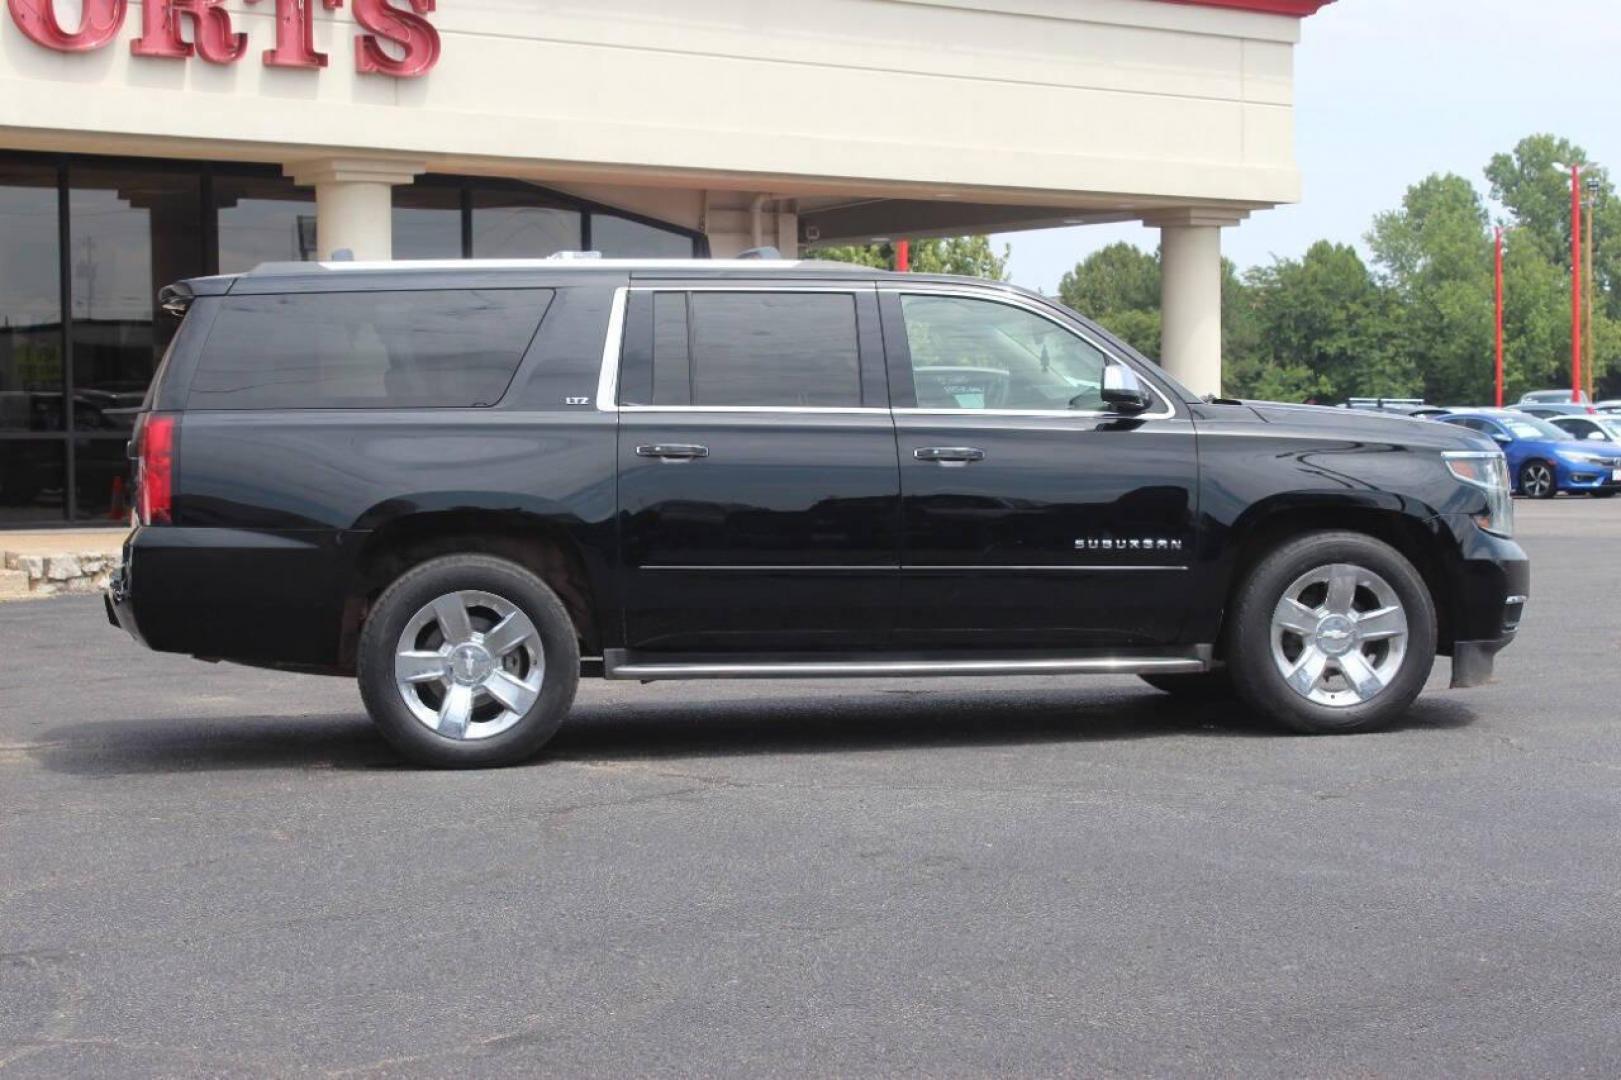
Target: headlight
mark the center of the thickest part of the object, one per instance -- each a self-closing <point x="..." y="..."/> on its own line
<point x="1581" y="457"/>
<point x="1488" y="471"/>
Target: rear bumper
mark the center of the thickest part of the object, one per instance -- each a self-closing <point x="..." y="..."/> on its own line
<point x="232" y="594"/>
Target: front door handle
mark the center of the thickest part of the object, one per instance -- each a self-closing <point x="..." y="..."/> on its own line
<point x="949" y="455"/>
<point x="673" y="451"/>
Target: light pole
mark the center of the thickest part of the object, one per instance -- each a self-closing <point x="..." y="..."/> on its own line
<point x="1575" y="168"/>
<point x="1501" y="232"/>
<point x="1592" y="205"/>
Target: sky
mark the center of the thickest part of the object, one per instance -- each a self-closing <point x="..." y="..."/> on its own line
<point x="1389" y="91"/>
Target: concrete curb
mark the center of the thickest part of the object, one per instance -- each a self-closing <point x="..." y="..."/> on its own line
<point x="37" y="565"/>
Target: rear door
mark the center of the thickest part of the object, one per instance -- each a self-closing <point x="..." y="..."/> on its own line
<point x="759" y="500"/>
<point x="1032" y="517"/>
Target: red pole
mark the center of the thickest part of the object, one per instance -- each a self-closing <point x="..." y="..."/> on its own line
<point x="1499" y="316"/>
<point x="903" y="255"/>
<point x="1576" y="283"/>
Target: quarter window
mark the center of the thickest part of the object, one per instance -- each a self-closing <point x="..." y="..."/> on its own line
<point x="457" y="348"/>
<point x="979" y="354"/>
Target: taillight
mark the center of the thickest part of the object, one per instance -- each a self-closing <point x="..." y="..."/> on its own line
<point x="154" y="468"/>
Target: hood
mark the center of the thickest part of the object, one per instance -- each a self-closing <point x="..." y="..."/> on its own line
<point x="1325" y="421"/>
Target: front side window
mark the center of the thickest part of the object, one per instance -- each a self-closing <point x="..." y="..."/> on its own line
<point x="980" y="354"/>
<point x="773" y="349"/>
<point x="449" y="348"/>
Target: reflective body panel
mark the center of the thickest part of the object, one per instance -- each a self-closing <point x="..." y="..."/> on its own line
<point x="794" y="531"/>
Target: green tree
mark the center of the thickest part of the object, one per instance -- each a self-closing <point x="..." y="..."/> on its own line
<point x="1118" y="287"/>
<point x="1324" y="331"/>
<point x="1435" y="256"/>
<point x="1536" y="193"/>
<point x="966" y="256"/>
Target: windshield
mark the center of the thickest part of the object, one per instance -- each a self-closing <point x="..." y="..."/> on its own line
<point x="1529" y="427"/>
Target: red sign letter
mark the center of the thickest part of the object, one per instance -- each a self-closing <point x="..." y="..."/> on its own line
<point x="212" y="38"/>
<point x="37" y="20"/>
<point x="295" y="34"/>
<point x="406" y="29"/>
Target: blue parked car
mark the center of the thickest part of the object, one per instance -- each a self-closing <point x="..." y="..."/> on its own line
<point x="1543" y="459"/>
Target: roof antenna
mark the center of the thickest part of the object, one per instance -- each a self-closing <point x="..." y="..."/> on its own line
<point x="343" y="255"/>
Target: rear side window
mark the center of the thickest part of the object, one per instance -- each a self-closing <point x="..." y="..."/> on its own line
<point x="366" y="350"/>
<point x="773" y="349"/>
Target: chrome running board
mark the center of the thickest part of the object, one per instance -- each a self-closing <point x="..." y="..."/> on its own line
<point x="617" y="664"/>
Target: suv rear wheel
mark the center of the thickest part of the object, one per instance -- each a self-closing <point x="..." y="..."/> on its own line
<point x="468" y="661"/>
<point x="1333" y="632"/>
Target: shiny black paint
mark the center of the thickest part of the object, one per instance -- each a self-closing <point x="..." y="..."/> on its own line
<point x="819" y="531"/>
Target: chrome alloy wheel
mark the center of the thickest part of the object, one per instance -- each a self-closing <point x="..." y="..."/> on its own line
<point x="1537" y="479"/>
<point x="469" y="665"/>
<point x="1339" y="635"/>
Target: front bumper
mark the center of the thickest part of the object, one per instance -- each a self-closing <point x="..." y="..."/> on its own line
<point x="1575" y="477"/>
<point x="1490" y="587"/>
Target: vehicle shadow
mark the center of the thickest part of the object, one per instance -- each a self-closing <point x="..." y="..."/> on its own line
<point x="723" y="727"/>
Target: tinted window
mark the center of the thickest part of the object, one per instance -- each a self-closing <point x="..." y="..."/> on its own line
<point x="785" y="349"/>
<point x="366" y="350"/>
<point x="979" y="354"/>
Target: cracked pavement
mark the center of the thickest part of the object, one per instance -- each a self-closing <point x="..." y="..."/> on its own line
<point x="214" y="871"/>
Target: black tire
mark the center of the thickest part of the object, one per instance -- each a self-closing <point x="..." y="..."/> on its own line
<point x="1538" y="479"/>
<point x="1210" y="686"/>
<point x="1256" y="675"/>
<point x="419" y="587"/>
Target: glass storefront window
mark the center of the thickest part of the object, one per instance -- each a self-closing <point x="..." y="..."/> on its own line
<point x="134" y="226"/>
<point x="622" y="238"/>
<point x="427" y="222"/>
<point x="132" y="232"/>
<point x="263" y="219"/>
<point x="517" y="224"/>
<point x="101" y="479"/>
<point x="30" y="300"/>
<point x="33" y="476"/>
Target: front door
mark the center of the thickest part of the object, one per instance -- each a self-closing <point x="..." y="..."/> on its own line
<point x="1032" y="517"/>
<point x="759" y="504"/>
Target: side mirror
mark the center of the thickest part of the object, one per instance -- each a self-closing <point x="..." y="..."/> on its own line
<point x="1122" y="391"/>
<point x="1500" y="437"/>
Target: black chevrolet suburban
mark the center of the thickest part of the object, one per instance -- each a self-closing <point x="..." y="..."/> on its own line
<point x="469" y="484"/>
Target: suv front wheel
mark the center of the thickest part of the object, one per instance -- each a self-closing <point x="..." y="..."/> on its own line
<point x="468" y="661"/>
<point x="1333" y="632"/>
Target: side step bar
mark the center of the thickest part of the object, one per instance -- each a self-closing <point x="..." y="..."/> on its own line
<point x="617" y="664"/>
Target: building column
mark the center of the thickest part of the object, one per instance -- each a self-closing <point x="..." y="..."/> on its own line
<point x="1190" y="294"/>
<point x="354" y="202"/>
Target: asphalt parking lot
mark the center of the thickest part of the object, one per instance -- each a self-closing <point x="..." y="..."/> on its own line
<point x="214" y="871"/>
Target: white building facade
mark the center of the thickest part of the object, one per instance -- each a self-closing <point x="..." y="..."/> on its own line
<point x="143" y="141"/>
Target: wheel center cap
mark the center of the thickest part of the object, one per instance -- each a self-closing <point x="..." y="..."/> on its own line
<point x="1336" y="635"/>
<point x="470" y="664"/>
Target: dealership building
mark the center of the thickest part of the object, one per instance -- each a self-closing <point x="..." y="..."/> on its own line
<point x="142" y="141"/>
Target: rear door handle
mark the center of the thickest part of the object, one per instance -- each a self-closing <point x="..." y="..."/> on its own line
<point x="949" y="455"/>
<point x="673" y="451"/>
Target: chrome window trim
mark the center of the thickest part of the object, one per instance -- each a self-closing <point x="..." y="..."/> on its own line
<point x="1013" y="300"/>
<point x="1053" y="414"/>
<point x="608" y="376"/>
<point x="820" y="410"/>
